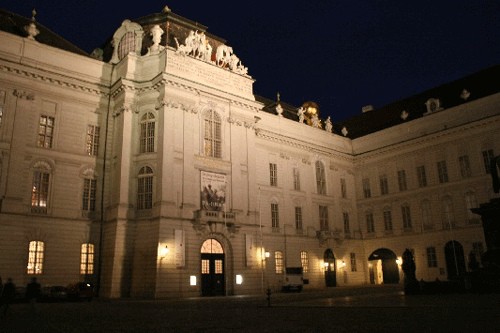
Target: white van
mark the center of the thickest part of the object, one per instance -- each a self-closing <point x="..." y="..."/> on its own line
<point x="293" y="279"/>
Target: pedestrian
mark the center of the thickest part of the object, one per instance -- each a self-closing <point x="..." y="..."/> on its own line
<point x="9" y="289"/>
<point x="33" y="292"/>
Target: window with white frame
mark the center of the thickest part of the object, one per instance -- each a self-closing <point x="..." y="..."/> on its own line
<point x="145" y="188"/>
<point x="405" y="212"/>
<point x="126" y="45"/>
<point x="35" y="257"/>
<point x="147" y="135"/>
<point x="278" y="258"/>
<point x="431" y="257"/>
<point x="320" y="178"/>
<point x="402" y="180"/>
<point x="304" y="260"/>
<point x="45" y="131"/>
<point x="275" y="218"/>
<point x="488" y="156"/>
<point x="343" y="188"/>
<point x="465" y="170"/>
<point x="296" y="179"/>
<point x="347" y="227"/>
<point x="2" y="103"/>
<point x="427" y="221"/>
<point x="212" y="143"/>
<point x="40" y="186"/>
<point x="92" y="140"/>
<point x="384" y="186"/>
<point x="354" y="267"/>
<point x="442" y="171"/>
<point x="87" y="259"/>
<point x="370" y="224"/>
<point x="448" y="213"/>
<point x="387" y="220"/>
<point x="89" y="194"/>
<point x="471" y="202"/>
<point x="421" y="175"/>
<point x="298" y="217"/>
<point x="323" y="218"/>
<point x="366" y="188"/>
<point x="273" y="174"/>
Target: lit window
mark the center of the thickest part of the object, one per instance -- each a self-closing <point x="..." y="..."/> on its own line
<point x="275" y="219"/>
<point x="427" y="221"/>
<point x="343" y="188"/>
<point x="323" y="218"/>
<point x="213" y="138"/>
<point x="384" y="187"/>
<point x="402" y="180"/>
<point x="442" y="172"/>
<point x="147" y="140"/>
<point x="205" y="266"/>
<point x="370" y="224"/>
<point x="422" y="178"/>
<point x="347" y="228"/>
<point x="366" y="188"/>
<point x="45" y="132"/>
<point x="298" y="218"/>
<point x="35" y="257"/>
<point x="212" y="246"/>
<point x="127" y="45"/>
<point x="92" y="140"/>
<point x="487" y="158"/>
<point x="304" y="260"/>
<point x="145" y="189"/>
<point x="387" y="220"/>
<point x="354" y="268"/>
<point x="296" y="179"/>
<point x="2" y="103"/>
<point x="320" y="178"/>
<point x="89" y="194"/>
<point x="278" y="257"/>
<point x="431" y="257"/>
<point x="40" y="189"/>
<point x="218" y="266"/>
<point x="273" y="174"/>
<point x="87" y="259"/>
<point x="405" y="211"/>
<point x="465" y="170"/>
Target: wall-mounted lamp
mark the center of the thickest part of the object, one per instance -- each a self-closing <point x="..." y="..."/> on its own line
<point x="326" y="265"/>
<point x="267" y="254"/>
<point x="192" y="280"/>
<point x="239" y="279"/>
<point x="343" y="263"/>
<point x="164" y="251"/>
<point x="399" y="261"/>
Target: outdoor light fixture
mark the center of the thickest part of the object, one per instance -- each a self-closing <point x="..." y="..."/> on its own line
<point x="239" y="279"/>
<point x="192" y="280"/>
<point x="343" y="263"/>
<point x="267" y="254"/>
<point x="399" y="261"/>
<point x="326" y="264"/>
<point x="164" y="251"/>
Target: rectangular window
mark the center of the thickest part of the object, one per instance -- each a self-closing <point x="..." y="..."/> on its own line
<point x="320" y="178"/>
<point x="298" y="218"/>
<point x="296" y="179"/>
<point x="487" y="158"/>
<point x="428" y="223"/>
<point x="465" y="166"/>
<point x="278" y="258"/>
<point x="273" y="172"/>
<point x="89" y="194"/>
<point x="402" y="180"/>
<point x="343" y="188"/>
<point x="422" y="178"/>
<point x="275" y="220"/>
<point x="2" y="103"/>
<point x="40" y="189"/>
<point x="87" y="259"/>
<point x="471" y="202"/>
<point x="323" y="218"/>
<point x="477" y="247"/>
<point x="145" y="192"/>
<point x="353" y="263"/>
<point x="218" y="266"/>
<point x="387" y="220"/>
<point x="370" y="224"/>
<point x="205" y="266"/>
<point x="45" y="132"/>
<point x="35" y="257"/>
<point x="347" y="228"/>
<point x="366" y="188"/>
<point x="92" y="140"/>
<point x="442" y="172"/>
<point x="384" y="186"/>
<point x="405" y="211"/>
<point x="431" y="257"/>
<point x="304" y="260"/>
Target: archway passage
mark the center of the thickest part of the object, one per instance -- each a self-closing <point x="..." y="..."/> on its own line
<point x="330" y="274"/>
<point x="384" y="260"/>
<point x="212" y="268"/>
<point x="455" y="260"/>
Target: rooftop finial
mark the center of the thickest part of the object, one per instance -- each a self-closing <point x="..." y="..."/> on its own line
<point x="165" y="9"/>
<point x="33" y="14"/>
<point x="278" y="95"/>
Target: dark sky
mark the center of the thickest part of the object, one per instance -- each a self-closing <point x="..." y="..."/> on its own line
<point x="341" y="54"/>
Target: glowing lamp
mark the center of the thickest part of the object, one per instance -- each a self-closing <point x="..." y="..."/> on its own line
<point x="239" y="279"/>
<point x="192" y="280"/>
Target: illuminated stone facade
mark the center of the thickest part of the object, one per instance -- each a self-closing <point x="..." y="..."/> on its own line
<point x="153" y="149"/>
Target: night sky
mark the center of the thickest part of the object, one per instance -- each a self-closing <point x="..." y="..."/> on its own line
<point x="341" y="54"/>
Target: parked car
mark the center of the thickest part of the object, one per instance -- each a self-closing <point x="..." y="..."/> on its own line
<point x="293" y="279"/>
<point x="54" y="293"/>
<point x="80" y="291"/>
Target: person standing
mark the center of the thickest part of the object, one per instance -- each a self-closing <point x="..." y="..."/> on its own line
<point x="33" y="292"/>
<point x="9" y="289"/>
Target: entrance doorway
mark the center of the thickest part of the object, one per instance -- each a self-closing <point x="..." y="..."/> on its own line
<point x="330" y="274"/>
<point x="455" y="260"/>
<point x="383" y="267"/>
<point x="212" y="268"/>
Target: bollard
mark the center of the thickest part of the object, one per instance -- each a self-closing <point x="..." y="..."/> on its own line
<point x="268" y="297"/>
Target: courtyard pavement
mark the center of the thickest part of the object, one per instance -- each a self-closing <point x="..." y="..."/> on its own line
<point x="341" y="309"/>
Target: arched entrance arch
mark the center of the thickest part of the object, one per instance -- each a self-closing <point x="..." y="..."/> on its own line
<point x="383" y="267"/>
<point x="330" y="269"/>
<point x="212" y="268"/>
<point x="455" y="260"/>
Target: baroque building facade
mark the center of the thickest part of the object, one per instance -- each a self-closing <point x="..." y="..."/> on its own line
<point x="150" y="169"/>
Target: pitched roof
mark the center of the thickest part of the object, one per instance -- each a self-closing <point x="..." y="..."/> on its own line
<point x="14" y="24"/>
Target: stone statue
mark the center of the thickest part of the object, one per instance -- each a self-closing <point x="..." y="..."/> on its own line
<point x="300" y="113"/>
<point x="223" y="55"/>
<point x="328" y="126"/>
<point x="156" y="48"/>
<point x="344" y="131"/>
<point x="279" y="110"/>
<point x="315" y="121"/>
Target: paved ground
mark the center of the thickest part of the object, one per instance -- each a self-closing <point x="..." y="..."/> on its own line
<point x="353" y="309"/>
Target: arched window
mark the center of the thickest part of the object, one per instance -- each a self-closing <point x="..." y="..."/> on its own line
<point x="278" y="258"/>
<point x="35" y="257"/>
<point x="127" y="44"/>
<point x="145" y="189"/>
<point x="304" y="260"/>
<point x="212" y="138"/>
<point x="87" y="259"/>
<point x="147" y="140"/>
<point x="320" y="178"/>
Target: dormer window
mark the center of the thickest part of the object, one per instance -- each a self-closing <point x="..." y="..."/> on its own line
<point x="127" y="45"/>
<point x="433" y="105"/>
